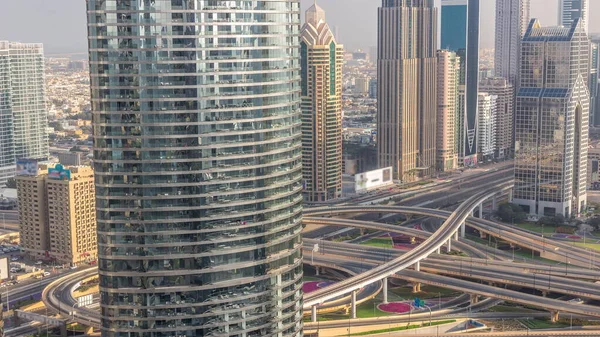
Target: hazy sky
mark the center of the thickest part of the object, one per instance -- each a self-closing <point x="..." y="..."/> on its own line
<point x="60" y="24"/>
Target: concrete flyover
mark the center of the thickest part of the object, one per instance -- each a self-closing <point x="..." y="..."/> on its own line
<point x="551" y="249"/>
<point x="443" y="236"/>
<point x="58" y="296"/>
<point x="493" y="272"/>
<point x="473" y="288"/>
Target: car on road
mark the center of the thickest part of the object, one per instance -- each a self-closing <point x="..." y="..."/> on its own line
<point x="46" y="274"/>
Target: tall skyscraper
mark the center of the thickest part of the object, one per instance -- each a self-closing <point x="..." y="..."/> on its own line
<point x="512" y="17"/>
<point x="460" y="33"/>
<point x="23" y="115"/>
<point x="454" y="25"/>
<point x="552" y="116"/>
<point x="594" y="83"/>
<point x="571" y="10"/>
<point x="447" y="105"/>
<point x="505" y="97"/>
<point x="486" y="128"/>
<point x="406" y="87"/>
<point x="321" y="63"/>
<point x="197" y="157"/>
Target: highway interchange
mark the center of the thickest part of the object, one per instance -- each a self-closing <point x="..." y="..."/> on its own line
<point x="424" y="264"/>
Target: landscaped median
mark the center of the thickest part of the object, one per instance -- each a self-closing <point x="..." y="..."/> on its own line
<point x="401" y="328"/>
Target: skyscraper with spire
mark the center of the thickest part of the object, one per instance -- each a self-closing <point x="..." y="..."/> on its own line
<point x="406" y="88"/>
<point x="321" y="71"/>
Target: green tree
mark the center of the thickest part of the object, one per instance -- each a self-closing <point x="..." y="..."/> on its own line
<point x="11" y="183"/>
<point x="594" y="222"/>
<point x="509" y="212"/>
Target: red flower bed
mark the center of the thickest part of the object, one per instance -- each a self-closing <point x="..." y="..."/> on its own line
<point x="308" y="287"/>
<point x="396" y="307"/>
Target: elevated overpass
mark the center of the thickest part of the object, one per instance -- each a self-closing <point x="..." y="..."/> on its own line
<point x="443" y="236"/>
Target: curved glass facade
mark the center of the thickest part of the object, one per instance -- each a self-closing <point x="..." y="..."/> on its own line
<point x="198" y="166"/>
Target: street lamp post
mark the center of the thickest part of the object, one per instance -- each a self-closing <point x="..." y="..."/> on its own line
<point x="430" y="314"/>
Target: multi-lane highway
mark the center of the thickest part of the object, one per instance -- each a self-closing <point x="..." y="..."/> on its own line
<point x="429" y="246"/>
<point x="571" y="254"/>
<point x="431" y="271"/>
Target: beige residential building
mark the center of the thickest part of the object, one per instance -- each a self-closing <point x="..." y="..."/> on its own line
<point x="447" y="103"/>
<point x="33" y="214"/>
<point x="406" y="88"/>
<point x="61" y="200"/>
<point x="321" y="61"/>
<point x="72" y="216"/>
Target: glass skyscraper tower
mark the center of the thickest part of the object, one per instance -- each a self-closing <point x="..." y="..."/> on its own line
<point x="23" y="114"/>
<point x="460" y="33"/>
<point x="197" y="158"/>
<point x="552" y="120"/>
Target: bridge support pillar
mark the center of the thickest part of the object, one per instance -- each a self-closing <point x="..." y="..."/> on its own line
<point x="362" y="231"/>
<point x="474" y="299"/>
<point x="456" y="235"/>
<point x="554" y="316"/>
<point x="544" y="293"/>
<point x="417" y="287"/>
<point x="463" y="230"/>
<point x="317" y="271"/>
<point x="353" y="308"/>
<point x="313" y="313"/>
<point x="482" y="235"/>
<point x="63" y="330"/>
<point x="449" y="246"/>
<point x="417" y="266"/>
<point x="385" y="290"/>
<point x="439" y="250"/>
<point x="480" y="212"/>
<point x="510" y="195"/>
<point x="494" y="203"/>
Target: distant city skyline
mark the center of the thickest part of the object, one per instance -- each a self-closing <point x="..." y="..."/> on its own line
<point x="67" y="27"/>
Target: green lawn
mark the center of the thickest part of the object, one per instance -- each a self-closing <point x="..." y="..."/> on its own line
<point x="427" y="292"/>
<point x="542" y="324"/>
<point x="536" y="228"/>
<point x="306" y="278"/>
<point x="385" y="242"/>
<point x="594" y="246"/>
<point x="400" y="328"/>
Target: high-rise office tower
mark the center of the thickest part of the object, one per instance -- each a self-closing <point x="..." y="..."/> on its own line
<point x="505" y="96"/>
<point x="486" y="128"/>
<point x="453" y="26"/>
<point x="512" y="17"/>
<point x="447" y="103"/>
<point x="552" y="114"/>
<point x="406" y="87"/>
<point x="197" y="157"/>
<point x="460" y="33"/>
<point x="321" y="59"/>
<point x="571" y="10"/>
<point x="23" y="115"/>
